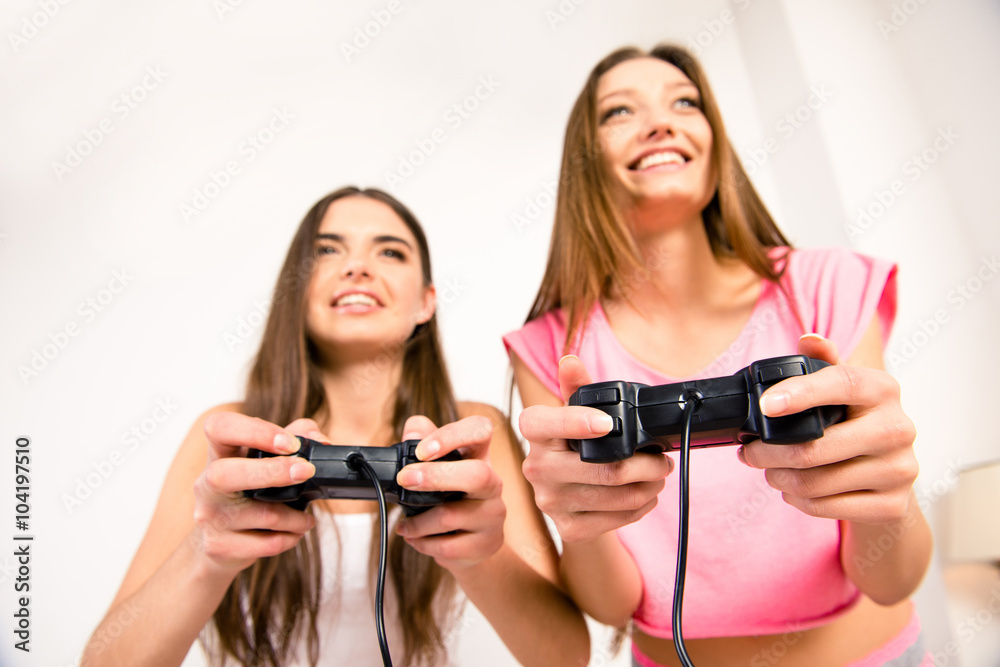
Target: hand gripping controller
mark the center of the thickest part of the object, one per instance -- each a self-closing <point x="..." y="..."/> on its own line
<point x="338" y="476"/>
<point x="728" y="412"/>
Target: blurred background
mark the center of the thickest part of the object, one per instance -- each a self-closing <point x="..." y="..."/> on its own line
<point x="158" y="157"/>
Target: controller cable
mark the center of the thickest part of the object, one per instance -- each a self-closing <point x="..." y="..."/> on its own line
<point x="357" y="461"/>
<point x="692" y="400"/>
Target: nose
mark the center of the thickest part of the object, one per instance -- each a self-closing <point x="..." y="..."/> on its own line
<point x="356" y="268"/>
<point x="660" y="124"/>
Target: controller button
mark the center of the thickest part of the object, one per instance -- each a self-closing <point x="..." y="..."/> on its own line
<point x="599" y="397"/>
<point x="616" y="430"/>
<point x="771" y="374"/>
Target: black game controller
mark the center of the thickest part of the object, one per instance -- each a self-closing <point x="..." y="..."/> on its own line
<point x="651" y="419"/>
<point x="338" y="475"/>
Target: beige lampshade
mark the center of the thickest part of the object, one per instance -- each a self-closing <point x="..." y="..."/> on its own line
<point x="974" y="530"/>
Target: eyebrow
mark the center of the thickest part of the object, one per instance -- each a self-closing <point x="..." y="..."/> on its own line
<point x="625" y="91"/>
<point x="383" y="238"/>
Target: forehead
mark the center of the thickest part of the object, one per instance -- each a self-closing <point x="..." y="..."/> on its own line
<point x="359" y="216"/>
<point x="640" y="74"/>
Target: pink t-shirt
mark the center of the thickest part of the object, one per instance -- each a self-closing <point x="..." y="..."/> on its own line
<point x="756" y="565"/>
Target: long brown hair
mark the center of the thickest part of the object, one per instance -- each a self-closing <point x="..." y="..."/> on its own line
<point x="592" y="250"/>
<point x="272" y="605"/>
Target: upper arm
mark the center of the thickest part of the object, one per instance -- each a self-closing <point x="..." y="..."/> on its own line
<point x="869" y="349"/>
<point x="529" y="387"/>
<point x="525" y="530"/>
<point x="173" y="517"/>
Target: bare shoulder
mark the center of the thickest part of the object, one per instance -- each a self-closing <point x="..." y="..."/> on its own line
<point x="471" y="408"/>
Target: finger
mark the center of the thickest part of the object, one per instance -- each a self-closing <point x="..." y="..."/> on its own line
<point x="248" y="545"/>
<point x="546" y="424"/>
<point x="860" y="387"/>
<point x="458" y="547"/>
<point x="625" y="498"/>
<point x="474" y="477"/>
<point x="307" y="428"/>
<point x="466" y="515"/>
<point x="246" y="514"/>
<point x="234" y="475"/>
<point x="572" y="375"/>
<point x="818" y="347"/>
<point x="863" y="473"/>
<point x="561" y="468"/>
<point x="872" y="435"/>
<point x="872" y="507"/>
<point x="470" y="437"/>
<point x="586" y="525"/>
<point x="417" y="427"/>
<point x="230" y="433"/>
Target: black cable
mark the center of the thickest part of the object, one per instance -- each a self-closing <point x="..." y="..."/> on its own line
<point x="357" y="461"/>
<point x="691" y="402"/>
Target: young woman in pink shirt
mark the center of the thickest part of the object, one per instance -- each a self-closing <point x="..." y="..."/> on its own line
<point x="665" y="266"/>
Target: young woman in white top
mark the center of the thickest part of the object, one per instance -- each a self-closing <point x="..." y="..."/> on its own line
<point x="350" y="355"/>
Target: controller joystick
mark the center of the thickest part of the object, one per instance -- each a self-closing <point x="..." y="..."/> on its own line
<point x="339" y="476"/>
<point x="651" y="418"/>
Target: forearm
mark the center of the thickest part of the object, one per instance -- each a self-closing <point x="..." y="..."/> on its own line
<point x="887" y="562"/>
<point x="602" y="578"/>
<point x="157" y="625"/>
<point x="537" y="622"/>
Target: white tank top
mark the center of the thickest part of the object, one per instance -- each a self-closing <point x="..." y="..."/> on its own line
<point x="346" y="619"/>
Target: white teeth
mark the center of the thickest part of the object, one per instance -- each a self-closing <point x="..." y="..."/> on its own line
<point x="356" y="299"/>
<point x="660" y="158"/>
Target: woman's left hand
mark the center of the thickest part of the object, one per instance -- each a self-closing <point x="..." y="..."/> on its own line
<point x="461" y="533"/>
<point x="862" y="469"/>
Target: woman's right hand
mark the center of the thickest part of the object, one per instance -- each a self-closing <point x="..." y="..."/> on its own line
<point x="585" y="500"/>
<point x="231" y="530"/>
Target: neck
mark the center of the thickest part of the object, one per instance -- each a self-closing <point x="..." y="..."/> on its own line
<point x="360" y="397"/>
<point x="683" y="273"/>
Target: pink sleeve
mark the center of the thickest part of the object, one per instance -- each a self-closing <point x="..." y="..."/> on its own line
<point x="837" y="292"/>
<point x="539" y="345"/>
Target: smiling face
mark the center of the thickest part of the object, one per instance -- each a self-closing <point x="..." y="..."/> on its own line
<point x="367" y="284"/>
<point x="655" y="140"/>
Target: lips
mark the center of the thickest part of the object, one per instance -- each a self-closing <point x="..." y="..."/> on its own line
<point x="658" y="157"/>
<point x="355" y="298"/>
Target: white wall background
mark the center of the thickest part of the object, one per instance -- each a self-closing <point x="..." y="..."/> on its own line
<point x="87" y="356"/>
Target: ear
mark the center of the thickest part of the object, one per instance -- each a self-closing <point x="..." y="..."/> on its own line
<point x="429" y="305"/>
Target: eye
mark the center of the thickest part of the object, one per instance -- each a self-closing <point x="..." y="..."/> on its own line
<point x="393" y="253"/>
<point x="325" y="250"/>
<point x="615" y="112"/>
<point x="687" y="103"/>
